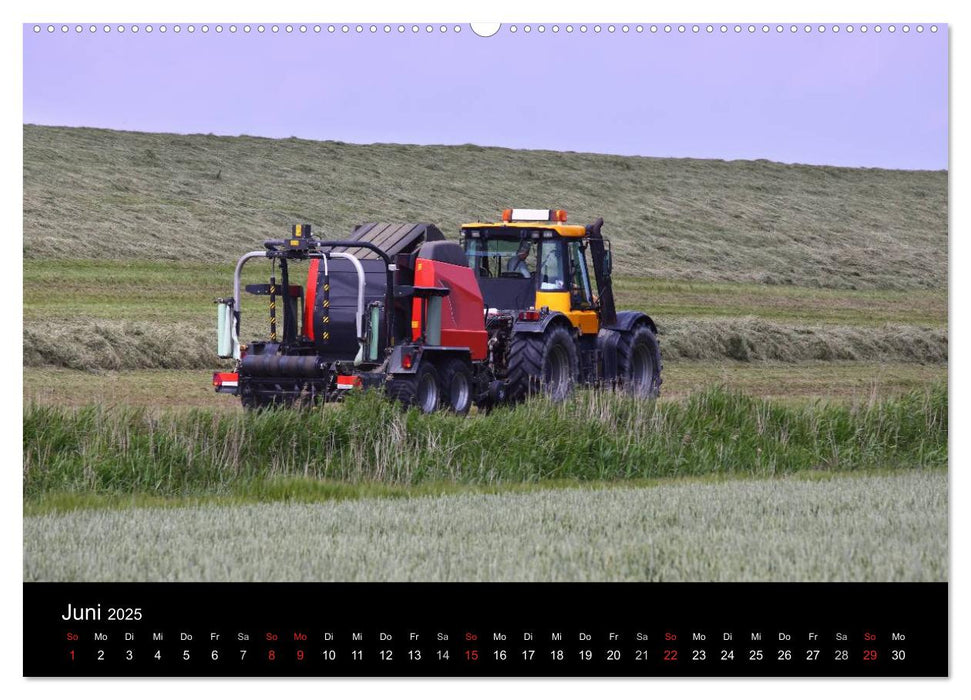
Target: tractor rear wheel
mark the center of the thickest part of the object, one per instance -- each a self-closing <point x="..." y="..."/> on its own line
<point x="639" y="362"/>
<point x="542" y="363"/>
<point x="457" y="386"/>
<point x="421" y="389"/>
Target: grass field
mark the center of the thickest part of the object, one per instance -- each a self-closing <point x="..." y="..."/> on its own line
<point x="159" y="315"/>
<point x="794" y="383"/>
<point x="169" y="291"/>
<point x="95" y="194"/>
<point x="736" y="261"/>
<point x="866" y="528"/>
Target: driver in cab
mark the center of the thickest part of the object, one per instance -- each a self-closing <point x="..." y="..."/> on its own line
<point x="517" y="263"/>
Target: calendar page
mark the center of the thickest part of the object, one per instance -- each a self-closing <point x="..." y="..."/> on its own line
<point x="515" y="349"/>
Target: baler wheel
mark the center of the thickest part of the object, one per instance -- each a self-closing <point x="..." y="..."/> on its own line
<point x="421" y="389"/>
<point x="256" y="401"/>
<point x="457" y="386"/>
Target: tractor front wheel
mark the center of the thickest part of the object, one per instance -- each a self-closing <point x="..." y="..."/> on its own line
<point x="421" y="389"/>
<point x="543" y="363"/>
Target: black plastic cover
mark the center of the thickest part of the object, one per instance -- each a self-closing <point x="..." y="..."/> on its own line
<point x="509" y="293"/>
<point x="392" y="238"/>
<point x="342" y="341"/>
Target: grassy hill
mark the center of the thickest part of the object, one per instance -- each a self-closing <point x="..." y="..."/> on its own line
<point x="91" y="193"/>
<point x="742" y="262"/>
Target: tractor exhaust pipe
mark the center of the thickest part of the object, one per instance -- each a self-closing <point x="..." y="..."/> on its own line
<point x="602" y="269"/>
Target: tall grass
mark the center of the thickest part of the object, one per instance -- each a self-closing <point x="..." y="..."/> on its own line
<point x="368" y="439"/>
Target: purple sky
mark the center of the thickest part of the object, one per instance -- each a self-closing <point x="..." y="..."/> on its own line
<point x="842" y="99"/>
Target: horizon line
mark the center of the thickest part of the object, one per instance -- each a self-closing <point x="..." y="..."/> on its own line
<point x="496" y="147"/>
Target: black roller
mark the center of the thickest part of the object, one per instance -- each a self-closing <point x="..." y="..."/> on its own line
<point x="280" y="366"/>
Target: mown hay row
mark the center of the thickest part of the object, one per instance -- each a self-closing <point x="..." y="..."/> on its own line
<point x="94" y="344"/>
<point x="752" y="339"/>
<point x="90" y="344"/>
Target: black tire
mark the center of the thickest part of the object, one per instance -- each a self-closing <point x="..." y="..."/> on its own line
<point x="255" y="403"/>
<point x="639" y="363"/>
<point x="423" y="389"/>
<point x="258" y="400"/>
<point x="261" y="403"/>
<point x="457" y="386"/>
<point x="542" y="363"/>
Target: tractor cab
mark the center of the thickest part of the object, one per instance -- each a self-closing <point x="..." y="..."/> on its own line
<point x="534" y="260"/>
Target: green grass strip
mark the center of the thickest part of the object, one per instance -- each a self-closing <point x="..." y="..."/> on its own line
<point x="369" y="440"/>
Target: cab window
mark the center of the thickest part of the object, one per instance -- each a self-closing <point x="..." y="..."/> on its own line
<point x="580" y="292"/>
<point x="552" y="267"/>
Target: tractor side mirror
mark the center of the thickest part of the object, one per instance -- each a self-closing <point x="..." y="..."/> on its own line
<point x="608" y="263"/>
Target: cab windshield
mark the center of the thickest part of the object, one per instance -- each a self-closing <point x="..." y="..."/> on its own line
<point x="518" y="256"/>
<point x="493" y="258"/>
<point x="512" y="265"/>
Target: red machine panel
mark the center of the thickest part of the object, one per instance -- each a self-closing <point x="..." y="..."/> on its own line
<point x="310" y="299"/>
<point x="463" y="322"/>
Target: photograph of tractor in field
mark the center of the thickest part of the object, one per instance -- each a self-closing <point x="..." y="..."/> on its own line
<point x="522" y="306"/>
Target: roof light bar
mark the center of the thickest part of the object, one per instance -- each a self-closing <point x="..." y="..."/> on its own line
<point x="558" y="215"/>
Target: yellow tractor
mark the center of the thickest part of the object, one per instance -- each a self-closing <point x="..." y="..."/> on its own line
<point x="550" y="314"/>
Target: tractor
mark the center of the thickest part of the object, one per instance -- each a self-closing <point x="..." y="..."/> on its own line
<point x="521" y="306"/>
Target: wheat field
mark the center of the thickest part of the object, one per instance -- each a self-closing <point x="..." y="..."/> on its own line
<point x="864" y="528"/>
